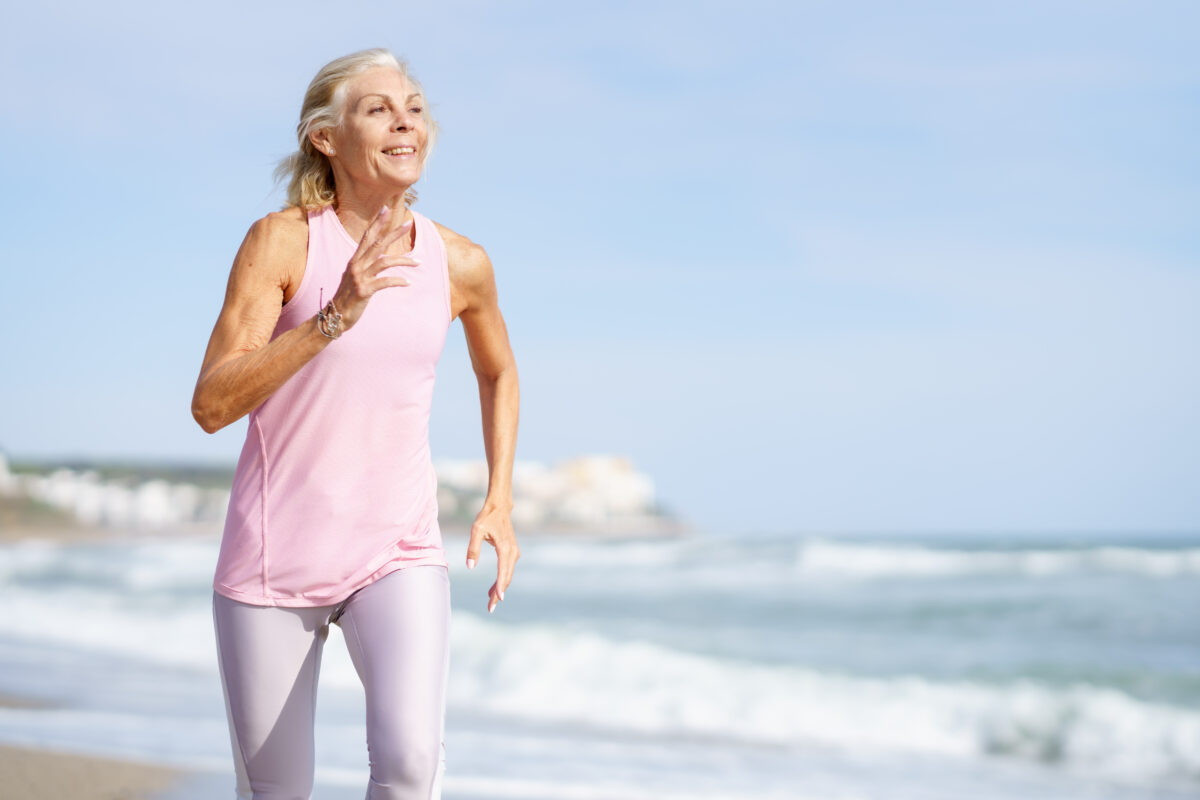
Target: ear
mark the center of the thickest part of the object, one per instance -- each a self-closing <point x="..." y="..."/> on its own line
<point x="322" y="141"/>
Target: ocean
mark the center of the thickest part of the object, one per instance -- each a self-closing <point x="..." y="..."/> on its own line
<point x="807" y="667"/>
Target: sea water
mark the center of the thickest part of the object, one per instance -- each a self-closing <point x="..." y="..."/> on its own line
<point x="702" y="667"/>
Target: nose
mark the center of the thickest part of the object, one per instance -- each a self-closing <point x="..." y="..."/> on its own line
<point x="404" y="121"/>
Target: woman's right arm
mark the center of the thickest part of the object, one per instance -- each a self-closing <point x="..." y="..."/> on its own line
<point x="243" y="365"/>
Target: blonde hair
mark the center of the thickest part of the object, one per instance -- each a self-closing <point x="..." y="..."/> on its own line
<point x="310" y="174"/>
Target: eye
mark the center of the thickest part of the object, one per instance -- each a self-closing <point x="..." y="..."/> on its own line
<point x="375" y="109"/>
<point x="416" y="109"/>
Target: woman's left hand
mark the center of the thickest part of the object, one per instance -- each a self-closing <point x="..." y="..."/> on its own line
<point x="494" y="525"/>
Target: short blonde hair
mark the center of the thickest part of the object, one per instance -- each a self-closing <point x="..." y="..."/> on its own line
<point x="309" y="174"/>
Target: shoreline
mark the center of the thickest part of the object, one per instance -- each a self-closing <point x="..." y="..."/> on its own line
<point x="34" y="772"/>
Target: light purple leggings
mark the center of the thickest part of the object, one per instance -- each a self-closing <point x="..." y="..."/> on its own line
<point x="397" y="632"/>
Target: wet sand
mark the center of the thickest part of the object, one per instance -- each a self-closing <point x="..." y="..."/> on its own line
<point x="31" y="774"/>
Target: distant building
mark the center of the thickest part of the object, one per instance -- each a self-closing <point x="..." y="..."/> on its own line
<point x="597" y="493"/>
<point x="592" y="494"/>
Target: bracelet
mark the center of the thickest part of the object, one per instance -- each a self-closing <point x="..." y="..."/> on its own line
<point x="329" y="321"/>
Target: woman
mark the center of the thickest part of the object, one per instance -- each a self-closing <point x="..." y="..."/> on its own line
<point x="334" y="318"/>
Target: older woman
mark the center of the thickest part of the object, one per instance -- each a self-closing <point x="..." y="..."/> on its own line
<point x="335" y="315"/>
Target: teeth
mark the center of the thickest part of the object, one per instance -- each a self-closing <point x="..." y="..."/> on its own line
<point x="395" y="151"/>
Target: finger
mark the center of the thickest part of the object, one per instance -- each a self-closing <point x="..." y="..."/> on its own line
<point x="508" y="565"/>
<point x="473" y="546"/>
<point x="386" y="282"/>
<point x="378" y="242"/>
<point x="385" y="261"/>
<point x="396" y="259"/>
<point x="395" y="224"/>
<point x="503" y="570"/>
<point x="394" y="235"/>
<point x="389" y="218"/>
<point x="378" y="223"/>
<point x="397" y="210"/>
<point x="493" y="598"/>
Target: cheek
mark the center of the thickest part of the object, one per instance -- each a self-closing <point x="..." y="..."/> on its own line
<point x="360" y="139"/>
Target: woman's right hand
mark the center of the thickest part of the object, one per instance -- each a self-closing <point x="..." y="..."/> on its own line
<point x="361" y="279"/>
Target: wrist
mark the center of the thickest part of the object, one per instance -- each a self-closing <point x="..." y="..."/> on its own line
<point x="504" y="504"/>
<point x="329" y="321"/>
<point x="312" y="341"/>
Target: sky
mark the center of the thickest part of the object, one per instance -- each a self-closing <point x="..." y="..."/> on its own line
<point x="812" y="266"/>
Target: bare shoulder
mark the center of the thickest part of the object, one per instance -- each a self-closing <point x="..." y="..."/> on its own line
<point x="468" y="261"/>
<point x="276" y="249"/>
<point x="290" y="219"/>
<point x="280" y="233"/>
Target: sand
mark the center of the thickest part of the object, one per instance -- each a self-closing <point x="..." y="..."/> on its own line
<point x="30" y="774"/>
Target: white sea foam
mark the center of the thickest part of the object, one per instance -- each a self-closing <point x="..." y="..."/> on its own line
<point x="146" y="601"/>
<point x="824" y="557"/>
<point x="171" y="564"/>
<point x="737" y="566"/>
<point x="150" y="602"/>
<point x="600" y="553"/>
<point x="556" y="674"/>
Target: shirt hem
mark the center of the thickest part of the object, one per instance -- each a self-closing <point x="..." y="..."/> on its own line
<point x="326" y="599"/>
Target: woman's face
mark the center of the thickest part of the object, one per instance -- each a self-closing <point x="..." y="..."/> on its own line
<point x="382" y="137"/>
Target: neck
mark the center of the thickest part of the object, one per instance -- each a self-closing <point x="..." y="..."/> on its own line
<point x="356" y="209"/>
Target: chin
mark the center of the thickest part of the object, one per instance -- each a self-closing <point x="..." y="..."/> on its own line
<point x="402" y="181"/>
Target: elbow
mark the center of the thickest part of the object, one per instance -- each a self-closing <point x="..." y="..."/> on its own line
<point x="206" y="416"/>
<point x="505" y="374"/>
<point x="206" y="421"/>
<point x="210" y="427"/>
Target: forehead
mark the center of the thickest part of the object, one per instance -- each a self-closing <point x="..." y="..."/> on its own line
<point x="379" y="80"/>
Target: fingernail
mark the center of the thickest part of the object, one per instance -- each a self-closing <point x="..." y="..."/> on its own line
<point x="501" y="595"/>
<point x="383" y="210"/>
<point x="491" y="607"/>
<point x="470" y="563"/>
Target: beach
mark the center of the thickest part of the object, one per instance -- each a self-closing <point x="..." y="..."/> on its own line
<point x="34" y="774"/>
<point x="802" y="667"/>
<point x="29" y="773"/>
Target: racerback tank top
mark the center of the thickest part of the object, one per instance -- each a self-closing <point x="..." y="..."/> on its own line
<point x="335" y="485"/>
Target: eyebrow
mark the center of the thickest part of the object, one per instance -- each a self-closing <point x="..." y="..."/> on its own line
<point x="384" y="96"/>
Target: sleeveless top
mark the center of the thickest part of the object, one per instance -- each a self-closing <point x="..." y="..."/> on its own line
<point x="335" y="485"/>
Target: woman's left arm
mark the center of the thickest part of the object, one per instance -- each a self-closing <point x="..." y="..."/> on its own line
<point x="499" y="400"/>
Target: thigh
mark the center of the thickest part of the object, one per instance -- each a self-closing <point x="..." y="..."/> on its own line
<point x="397" y="632"/>
<point x="269" y="660"/>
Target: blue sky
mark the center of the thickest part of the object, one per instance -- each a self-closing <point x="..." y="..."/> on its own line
<point x="813" y="266"/>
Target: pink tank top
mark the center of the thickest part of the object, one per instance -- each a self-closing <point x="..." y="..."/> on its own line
<point x="335" y="486"/>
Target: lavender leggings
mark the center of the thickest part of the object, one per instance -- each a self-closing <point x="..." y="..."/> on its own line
<point x="396" y="630"/>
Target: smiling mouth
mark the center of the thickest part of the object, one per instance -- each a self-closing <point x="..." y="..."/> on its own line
<point x="400" y="151"/>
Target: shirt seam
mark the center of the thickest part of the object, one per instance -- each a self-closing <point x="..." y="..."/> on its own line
<point x="262" y="449"/>
<point x="439" y="247"/>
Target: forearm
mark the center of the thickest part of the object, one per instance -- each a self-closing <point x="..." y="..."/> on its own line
<point x="233" y="388"/>
<point x="499" y="400"/>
